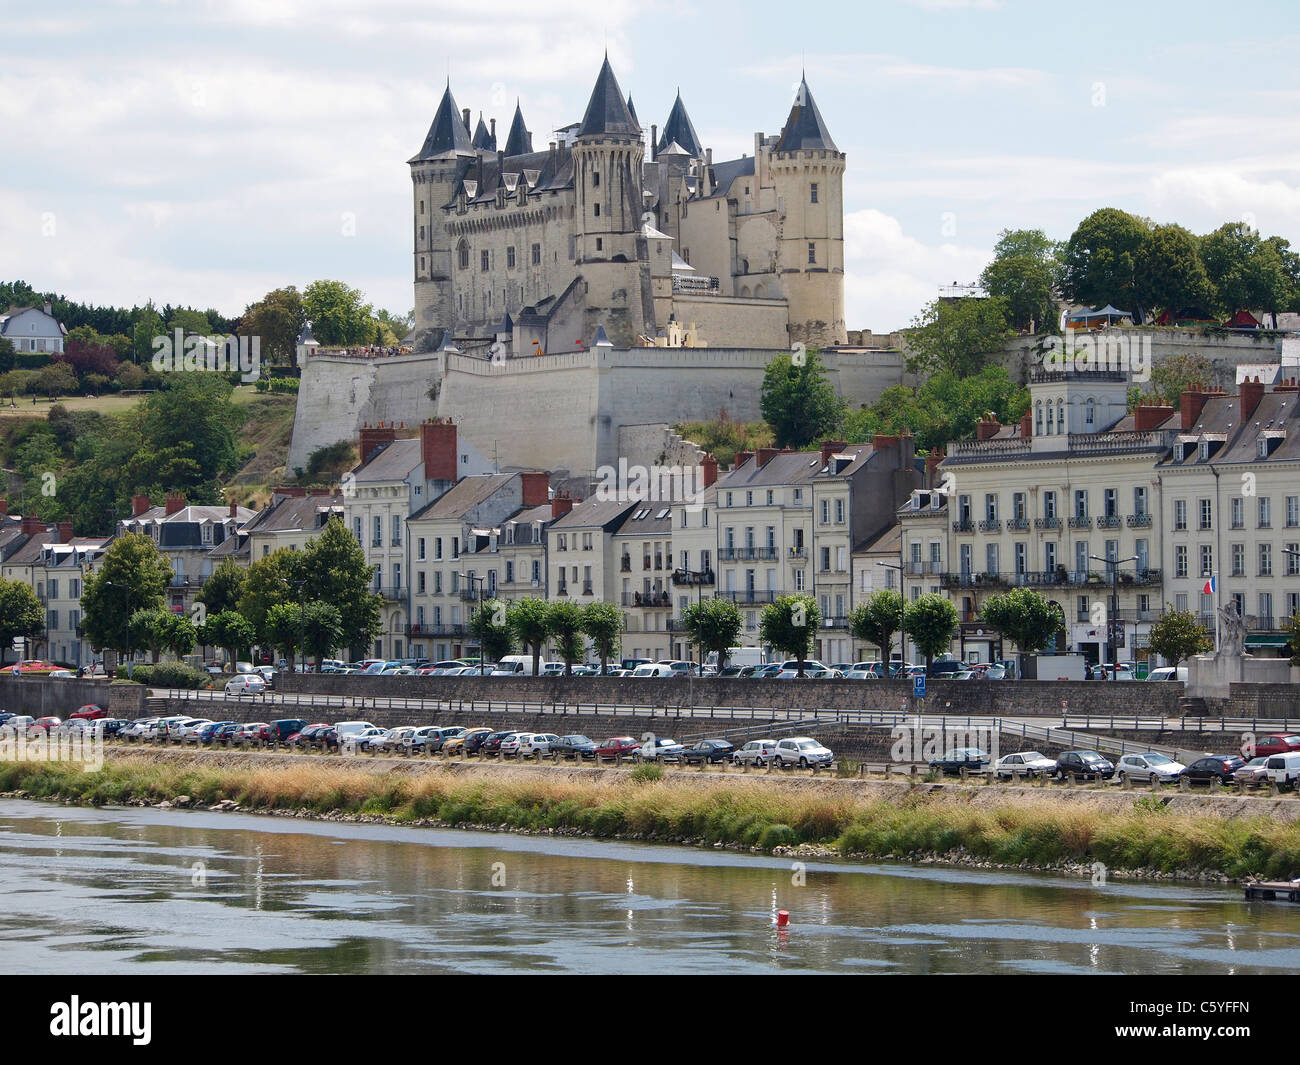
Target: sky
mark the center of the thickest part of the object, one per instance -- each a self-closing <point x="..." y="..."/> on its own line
<point x="206" y="152"/>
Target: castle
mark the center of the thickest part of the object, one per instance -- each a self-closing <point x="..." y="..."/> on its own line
<point x="535" y="251"/>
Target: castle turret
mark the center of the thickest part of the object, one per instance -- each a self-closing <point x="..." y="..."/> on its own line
<point x="680" y="129"/>
<point x="435" y="172"/>
<point x="808" y="174"/>
<point x="518" y="141"/>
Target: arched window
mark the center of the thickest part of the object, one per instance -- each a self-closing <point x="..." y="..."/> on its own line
<point x="462" y="254"/>
<point x="1060" y="416"/>
<point x="1090" y="412"/>
<point x="1050" y="416"/>
<point x="1038" y="418"/>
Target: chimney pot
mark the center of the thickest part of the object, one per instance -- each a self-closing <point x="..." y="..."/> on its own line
<point x="710" y="467"/>
<point x="534" y="488"/>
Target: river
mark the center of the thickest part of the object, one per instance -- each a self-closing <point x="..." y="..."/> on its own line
<point x="157" y="891"/>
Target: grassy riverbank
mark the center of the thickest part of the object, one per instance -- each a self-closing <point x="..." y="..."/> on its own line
<point x="1045" y="832"/>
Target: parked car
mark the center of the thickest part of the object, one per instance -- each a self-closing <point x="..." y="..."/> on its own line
<point x="659" y="749"/>
<point x="1253" y="772"/>
<point x="946" y="667"/>
<point x="954" y="761"/>
<point x="47" y="723"/>
<point x="682" y="669"/>
<point x="89" y="712"/>
<point x="368" y="739"/>
<point x="509" y="745"/>
<point x="801" y="751"/>
<point x="1284" y="769"/>
<point x="536" y="743"/>
<point x="862" y="671"/>
<point x="1142" y="767"/>
<point x="574" y="745"/>
<point x="281" y="729"/>
<point x="1030" y="763"/>
<point x="652" y="669"/>
<point x="347" y="729"/>
<point x="214" y="731"/>
<point x="1169" y="673"/>
<point x="319" y="732"/>
<point x="1277" y="743"/>
<point x="755" y="752"/>
<point x="709" y="751"/>
<point x="249" y="732"/>
<point x="618" y="746"/>
<point x="267" y="673"/>
<point x="190" y="729"/>
<point x="134" y="731"/>
<point x="245" y="684"/>
<point x="1086" y="764"/>
<point x="492" y="742"/>
<point x="467" y="742"/>
<point x="766" y="672"/>
<point x="790" y="668"/>
<point x="1220" y="766"/>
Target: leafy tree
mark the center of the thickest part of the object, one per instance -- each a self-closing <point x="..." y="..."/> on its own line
<point x="230" y="631"/>
<point x="1099" y="261"/>
<point x="177" y="634"/>
<point x="528" y="620"/>
<point x="146" y="630"/>
<point x="22" y="615"/>
<point x="790" y="625"/>
<point x="1169" y="272"/>
<point x="148" y="326"/>
<point x="489" y="623"/>
<point x="876" y="620"/>
<point x="1244" y="270"/>
<point x="89" y="356"/>
<point x="1290" y="262"/>
<point x="722" y="436"/>
<point x="277" y="318"/>
<point x="1176" y="635"/>
<point x="133" y="575"/>
<point x="322" y="630"/>
<point x="398" y="324"/>
<point x="1172" y="376"/>
<point x="798" y="402"/>
<point x="1291" y="626"/>
<point x="7" y="359"/>
<point x="956" y="336"/>
<point x="282" y="628"/>
<point x="338" y="314"/>
<point x="931" y="621"/>
<point x="564" y="624"/>
<point x="602" y="624"/>
<point x="714" y="625"/>
<point x="1026" y="617"/>
<point x="189" y="322"/>
<point x="56" y="379"/>
<point x="269" y="582"/>
<point x="1023" y="274"/>
<point x="335" y="570"/>
<point x="222" y="590"/>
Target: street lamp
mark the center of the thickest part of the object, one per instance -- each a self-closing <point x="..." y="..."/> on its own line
<point x="481" y="581"/>
<point x="902" y="627"/>
<point x="1111" y="649"/>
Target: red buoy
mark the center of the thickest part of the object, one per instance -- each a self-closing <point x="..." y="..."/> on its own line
<point x="782" y="918"/>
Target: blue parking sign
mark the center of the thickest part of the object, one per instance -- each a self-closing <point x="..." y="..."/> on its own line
<point x="918" y="686"/>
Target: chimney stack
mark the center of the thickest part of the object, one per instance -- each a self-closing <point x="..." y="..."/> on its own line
<point x="1026" y="425"/>
<point x="882" y="441"/>
<point x="534" y="488"/>
<point x="139" y="504"/>
<point x="494" y="129"/>
<point x="932" y="461"/>
<point x="31" y="525"/>
<point x="49" y="307"/>
<point x="65" y="532"/>
<point x="373" y="437"/>
<point x="175" y="502"/>
<point x="561" y="504"/>
<point x="986" y="429"/>
<point x="438" y="450"/>
<point x="4" y="507"/>
<point x="764" y="455"/>
<point x="654" y="142"/>
<point x="234" y="509"/>
<point x="1147" y="416"/>
<point x="831" y="447"/>
<point x="741" y="458"/>
<point x="464" y="117"/>
<point x="1191" y="405"/>
<point x="710" y="466"/>
<point x="1251" y="394"/>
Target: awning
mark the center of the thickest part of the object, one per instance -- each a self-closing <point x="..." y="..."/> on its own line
<point x="1267" y="639"/>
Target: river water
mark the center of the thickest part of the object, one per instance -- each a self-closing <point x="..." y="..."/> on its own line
<point x="157" y="891"/>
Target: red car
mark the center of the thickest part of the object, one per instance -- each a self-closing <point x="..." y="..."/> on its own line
<point x="89" y="712"/>
<point x="48" y="723"/>
<point x="618" y="745"/>
<point x="1277" y="743"/>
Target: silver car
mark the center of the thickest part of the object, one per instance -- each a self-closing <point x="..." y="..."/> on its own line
<point x="755" y="752"/>
<point x="1144" y="766"/>
<point x="1028" y="763"/>
<point x="801" y="751"/>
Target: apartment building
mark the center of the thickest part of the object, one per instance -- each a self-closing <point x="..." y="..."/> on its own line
<point x="695" y="546"/>
<point x="294" y="517"/>
<point x="642" y="543"/>
<point x="1231" y="508"/>
<point x="874" y="564"/>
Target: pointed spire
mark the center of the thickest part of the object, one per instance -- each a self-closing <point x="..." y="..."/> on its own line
<point x="448" y="344"/>
<point x="805" y="128"/>
<point x="606" y="110"/>
<point x="601" y="339"/>
<point x="679" y="128"/>
<point x="483" y="140"/>
<point x="519" y="141"/>
<point x="447" y="134"/>
<point x="631" y="110"/>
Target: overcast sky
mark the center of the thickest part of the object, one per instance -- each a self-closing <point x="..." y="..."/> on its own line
<point x="206" y="152"/>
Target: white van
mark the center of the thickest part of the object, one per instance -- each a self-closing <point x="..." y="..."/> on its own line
<point x="1283" y="768"/>
<point x="653" y="669"/>
<point x="514" y="666"/>
<point x="351" y="729"/>
<point x="1169" y="673"/>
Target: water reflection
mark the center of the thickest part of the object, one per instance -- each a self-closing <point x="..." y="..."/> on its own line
<point x="114" y="890"/>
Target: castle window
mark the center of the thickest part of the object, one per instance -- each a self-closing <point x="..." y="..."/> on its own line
<point x="510" y="258"/>
<point x="597" y="206"/>
<point x="537" y="252"/>
<point x="600" y="244"/>
<point x="484" y="260"/>
<point x="812" y="252"/>
<point x="462" y="254"/>
<point x="422" y="232"/>
<point x="595" y="179"/>
<point x="813" y="191"/>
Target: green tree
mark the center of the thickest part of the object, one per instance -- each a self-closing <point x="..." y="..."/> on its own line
<point x="1177" y="635"/>
<point x="602" y="624"/>
<point x="222" y="590"/>
<point x="1024" y="273"/>
<point x="564" y="625"/>
<point x="269" y="582"/>
<point x="132" y="575"/>
<point x="146" y="630"/>
<point x="189" y="322"/>
<point x="7" y="355"/>
<point x="22" y="615"/>
<point x="489" y="623"/>
<point x="1169" y="272"/>
<point x="338" y="314"/>
<point x="177" y="634"/>
<point x="956" y="336"/>
<point x="790" y="625"/>
<point x="714" y="626"/>
<point x="277" y="319"/>
<point x="1290" y="625"/>
<point x="1025" y="617"/>
<point x="528" y="621"/>
<point x="1099" y="261"/>
<point x="1245" y="271"/>
<point x="798" y="402"/>
<point x="876" y="620"/>
<point x="335" y="570"/>
<point x="931" y="621"/>
<point x="57" y="379"/>
<point x="230" y="631"/>
<point x="282" y="628"/>
<point x="322" y="630"/>
<point x="148" y="326"/>
<point x="1174" y="375"/>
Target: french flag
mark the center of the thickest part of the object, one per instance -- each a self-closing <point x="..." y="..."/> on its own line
<point x="1211" y="586"/>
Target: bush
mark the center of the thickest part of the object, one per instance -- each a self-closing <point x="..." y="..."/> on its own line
<point x="31" y="360"/>
<point x="166" y="675"/>
<point x="276" y="384"/>
<point x="647" y="774"/>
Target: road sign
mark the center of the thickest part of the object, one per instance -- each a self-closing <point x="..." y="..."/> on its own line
<point x="918" y="687"/>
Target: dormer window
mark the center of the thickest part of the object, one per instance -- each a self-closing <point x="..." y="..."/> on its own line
<point x="1203" y="451"/>
<point x="1263" y="448"/>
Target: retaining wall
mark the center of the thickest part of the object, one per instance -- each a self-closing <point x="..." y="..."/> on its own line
<point x="48" y="697"/>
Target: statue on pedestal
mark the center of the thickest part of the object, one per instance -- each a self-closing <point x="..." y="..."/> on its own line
<point x="1232" y="632"/>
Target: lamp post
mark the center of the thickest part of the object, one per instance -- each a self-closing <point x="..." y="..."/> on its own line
<point x="480" y="582"/>
<point x="902" y="627"/>
<point x="1114" y="564"/>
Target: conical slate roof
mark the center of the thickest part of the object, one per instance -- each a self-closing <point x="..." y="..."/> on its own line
<point x="805" y="128"/>
<point x="519" y="141"/>
<point x="482" y="138"/>
<point x="606" y="110"/>
<point x="631" y="110"/>
<point x="679" y="128"/>
<point x="448" y="132"/>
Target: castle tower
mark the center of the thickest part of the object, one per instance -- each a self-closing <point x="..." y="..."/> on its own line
<point x="435" y="171"/>
<point x="808" y="175"/>
<point x="607" y="177"/>
<point x="518" y="141"/>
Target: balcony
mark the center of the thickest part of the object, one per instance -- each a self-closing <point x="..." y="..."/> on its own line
<point x="990" y="525"/>
<point x="1080" y="521"/>
<point x="434" y="630"/>
<point x="748" y="554"/>
<point x="625" y="566"/>
<point x="963" y="525"/>
<point x="388" y="591"/>
<point x="1017" y="524"/>
<point x="657" y="600"/>
<point x="469" y="594"/>
<point x="562" y="589"/>
<point x="1139" y="521"/>
<point x="676" y="625"/>
<point x="1047" y="523"/>
<point x="693" y="577"/>
<point x="799" y="552"/>
<point x="835" y="621"/>
<point x="748" y="597"/>
<point x="1108" y="521"/>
